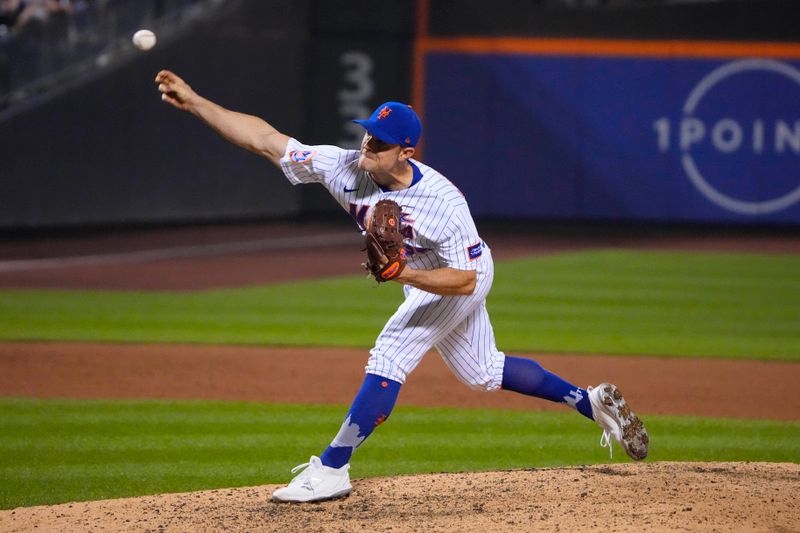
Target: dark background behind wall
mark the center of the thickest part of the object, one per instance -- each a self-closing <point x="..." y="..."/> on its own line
<point x="106" y="151"/>
<point x="771" y="20"/>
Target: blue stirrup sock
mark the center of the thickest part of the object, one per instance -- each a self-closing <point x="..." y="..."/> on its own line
<point x="526" y="376"/>
<point x="372" y="406"/>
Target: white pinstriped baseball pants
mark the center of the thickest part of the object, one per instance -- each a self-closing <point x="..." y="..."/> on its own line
<point x="457" y="326"/>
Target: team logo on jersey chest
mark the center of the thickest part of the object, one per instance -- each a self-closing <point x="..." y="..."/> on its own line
<point x="302" y="156"/>
<point x="359" y="214"/>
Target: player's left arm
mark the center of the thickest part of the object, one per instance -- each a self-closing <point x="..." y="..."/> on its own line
<point x="444" y="281"/>
<point x="459" y="275"/>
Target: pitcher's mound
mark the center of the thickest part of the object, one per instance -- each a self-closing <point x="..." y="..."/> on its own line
<point x="627" y="497"/>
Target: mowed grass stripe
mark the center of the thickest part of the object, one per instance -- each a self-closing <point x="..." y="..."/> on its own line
<point x="617" y="302"/>
<point x="738" y="305"/>
<point x="55" y="451"/>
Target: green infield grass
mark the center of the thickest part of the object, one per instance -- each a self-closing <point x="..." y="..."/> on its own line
<point x="616" y="302"/>
<point x="55" y="451"/>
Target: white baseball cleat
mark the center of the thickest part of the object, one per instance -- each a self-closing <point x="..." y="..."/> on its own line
<point x="612" y="413"/>
<point x="315" y="483"/>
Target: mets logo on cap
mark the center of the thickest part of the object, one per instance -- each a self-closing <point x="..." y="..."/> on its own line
<point x="384" y="112"/>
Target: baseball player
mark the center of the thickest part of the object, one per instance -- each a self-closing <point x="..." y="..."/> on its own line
<point x="446" y="280"/>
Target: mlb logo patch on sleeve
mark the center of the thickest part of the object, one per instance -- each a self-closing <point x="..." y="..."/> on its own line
<point x="301" y="156"/>
<point x="475" y="251"/>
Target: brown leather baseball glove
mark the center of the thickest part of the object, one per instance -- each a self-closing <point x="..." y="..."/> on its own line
<point x="386" y="257"/>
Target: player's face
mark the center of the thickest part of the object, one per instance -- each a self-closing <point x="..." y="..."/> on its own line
<point x="378" y="156"/>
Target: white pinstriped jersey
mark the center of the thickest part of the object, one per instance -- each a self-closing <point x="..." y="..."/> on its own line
<point x="439" y="232"/>
<point x="437" y="225"/>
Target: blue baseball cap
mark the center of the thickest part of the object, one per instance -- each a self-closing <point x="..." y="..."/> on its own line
<point x="394" y="123"/>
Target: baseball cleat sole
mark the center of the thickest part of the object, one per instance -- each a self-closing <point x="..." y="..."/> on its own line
<point x="613" y="414"/>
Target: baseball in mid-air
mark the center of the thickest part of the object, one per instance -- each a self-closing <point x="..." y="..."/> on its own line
<point x="144" y="39"/>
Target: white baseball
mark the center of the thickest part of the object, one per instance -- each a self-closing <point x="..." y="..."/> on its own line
<point x="144" y="39"/>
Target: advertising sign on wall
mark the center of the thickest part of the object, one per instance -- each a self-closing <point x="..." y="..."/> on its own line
<point x="668" y="134"/>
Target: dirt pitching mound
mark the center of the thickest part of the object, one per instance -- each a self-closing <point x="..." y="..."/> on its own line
<point x="627" y="497"/>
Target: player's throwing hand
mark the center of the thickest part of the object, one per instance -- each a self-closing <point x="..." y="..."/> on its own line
<point x="174" y="90"/>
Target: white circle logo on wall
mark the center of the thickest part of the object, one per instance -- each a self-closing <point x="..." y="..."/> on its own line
<point x="729" y="135"/>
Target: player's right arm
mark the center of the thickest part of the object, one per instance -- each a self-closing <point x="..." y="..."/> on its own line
<point x="248" y="131"/>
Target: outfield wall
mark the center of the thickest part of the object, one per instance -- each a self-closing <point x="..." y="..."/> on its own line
<point x="687" y="113"/>
<point x="104" y="150"/>
<point x="616" y="135"/>
<point x="672" y="113"/>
